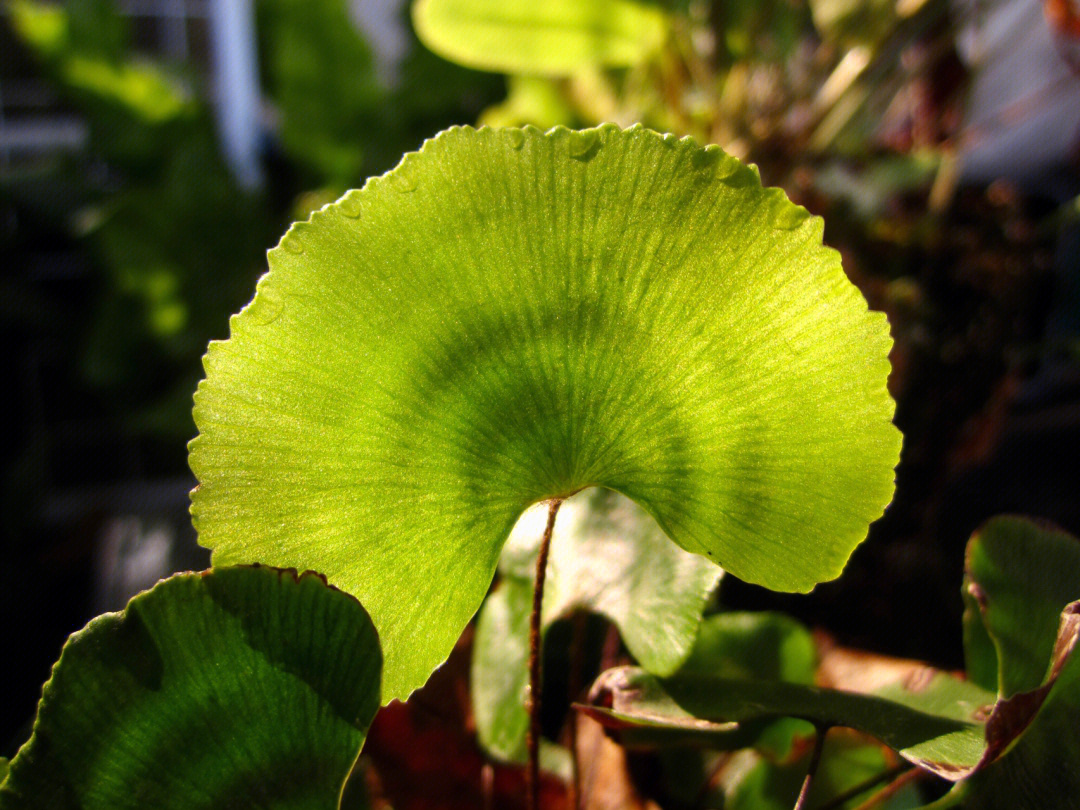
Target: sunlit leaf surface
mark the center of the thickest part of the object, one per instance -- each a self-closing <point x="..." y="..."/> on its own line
<point x="242" y="687"/>
<point x="511" y="316"/>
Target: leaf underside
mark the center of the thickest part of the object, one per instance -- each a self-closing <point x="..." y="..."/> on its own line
<point x="511" y="316"/>
<point x="241" y="687"/>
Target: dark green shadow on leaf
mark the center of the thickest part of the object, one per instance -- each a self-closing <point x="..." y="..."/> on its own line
<point x="1037" y="770"/>
<point x="241" y="687"/>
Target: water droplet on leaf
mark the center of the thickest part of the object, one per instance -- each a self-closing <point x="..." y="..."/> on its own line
<point x="350" y="207"/>
<point x="791" y="217"/>
<point x="266" y="309"/>
<point x="583" y="145"/>
<point x="401" y="182"/>
<point x="517" y="138"/>
<point x="293" y="244"/>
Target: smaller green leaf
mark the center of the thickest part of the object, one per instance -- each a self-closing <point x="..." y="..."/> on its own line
<point x="240" y="687"/>
<point x="980" y="655"/>
<point x="757" y="646"/>
<point x="500" y="671"/>
<point x="554" y="38"/>
<point x="1039" y="770"/>
<point x="951" y="727"/>
<point x="1018" y="576"/>
<point x="760" y="646"/>
<point x="607" y="556"/>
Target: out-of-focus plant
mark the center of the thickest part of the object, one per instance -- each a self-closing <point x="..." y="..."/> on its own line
<point x="751" y="77"/>
<point x="175" y="237"/>
<point x="321" y="75"/>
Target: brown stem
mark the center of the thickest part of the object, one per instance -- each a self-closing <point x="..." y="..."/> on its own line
<point x="487" y="785"/>
<point x="713" y="779"/>
<point x="844" y="797"/>
<point x="532" y="774"/>
<point x="815" y="760"/>
<point x="891" y="789"/>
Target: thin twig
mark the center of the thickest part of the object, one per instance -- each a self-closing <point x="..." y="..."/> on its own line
<point x="815" y="759"/>
<point x="713" y="778"/>
<point x="857" y="790"/>
<point x="532" y="774"/>
<point x="487" y="785"/>
<point x="891" y="789"/>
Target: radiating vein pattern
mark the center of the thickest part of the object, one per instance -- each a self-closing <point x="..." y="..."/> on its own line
<point x="513" y="315"/>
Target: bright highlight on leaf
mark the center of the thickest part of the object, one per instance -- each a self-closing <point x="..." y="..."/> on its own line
<point x="554" y="37"/>
<point x="240" y="687"/>
<point x="511" y="316"/>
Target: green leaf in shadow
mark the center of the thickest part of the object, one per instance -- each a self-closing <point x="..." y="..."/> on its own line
<point x="949" y="726"/>
<point x="1018" y="576"/>
<point x="607" y="557"/>
<point x="511" y="316"/>
<point x="945" y="737"/>
<point x="239" y="687"/>
<point x="1039" y="770"/>
<point x="739" y="646"/>
<point x="553" y="38"/>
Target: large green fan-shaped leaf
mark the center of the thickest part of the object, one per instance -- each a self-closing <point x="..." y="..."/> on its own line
<point x="555" y="37"/>
<point x="608" y="557"/>
<point x="511" y="316"/>
<point x="242" y="687"/>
